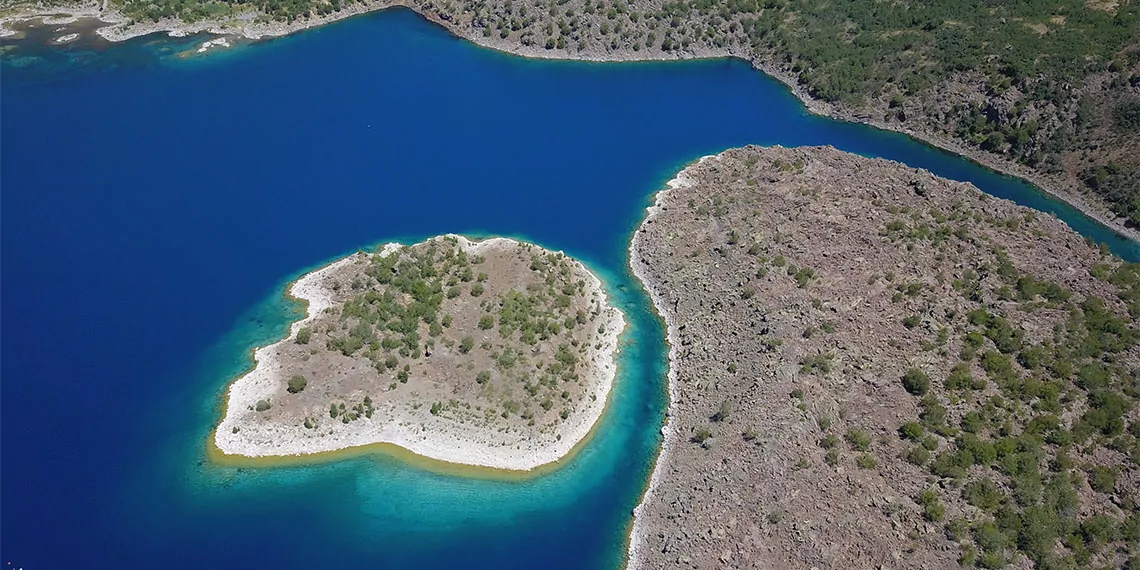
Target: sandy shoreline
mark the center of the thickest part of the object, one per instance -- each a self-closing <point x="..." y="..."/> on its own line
<point x="248" y="26"/>
<point x="638" y="267"/>
<point x="434" y="438"/>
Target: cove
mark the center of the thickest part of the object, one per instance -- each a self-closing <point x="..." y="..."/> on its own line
<point x="154" y="209"/>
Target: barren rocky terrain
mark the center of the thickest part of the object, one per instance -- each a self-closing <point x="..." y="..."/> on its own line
<point x="878" y="368"/>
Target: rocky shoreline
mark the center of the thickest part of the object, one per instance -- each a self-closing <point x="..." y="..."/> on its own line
<point x="248" y="26"/>
<point x="243" y="433"/>
<point x="635" y="557"/>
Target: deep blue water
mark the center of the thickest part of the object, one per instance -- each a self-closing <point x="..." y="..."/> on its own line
<point x="154" y="209"/>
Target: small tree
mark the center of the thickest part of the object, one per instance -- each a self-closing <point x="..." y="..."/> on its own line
<point x="304" y="335"/>
<point x="297" y="384"/>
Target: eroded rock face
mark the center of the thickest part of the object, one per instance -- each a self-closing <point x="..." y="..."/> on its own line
<point x="494" y="353"/>
<point x="819" y="302"/>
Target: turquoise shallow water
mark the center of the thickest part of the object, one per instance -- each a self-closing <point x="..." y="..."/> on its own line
<point x="154" y="209"/>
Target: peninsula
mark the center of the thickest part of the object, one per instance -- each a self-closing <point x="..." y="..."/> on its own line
<point x="873" y="367"/>
<point x="495" y="353"/>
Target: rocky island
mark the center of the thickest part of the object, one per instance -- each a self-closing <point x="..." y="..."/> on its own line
<point x="872" y="367"/>
<point x="494" y="353"/>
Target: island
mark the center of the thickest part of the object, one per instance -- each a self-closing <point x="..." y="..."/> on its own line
<point x="495" y="353"/>
<point x="873" y="367"/>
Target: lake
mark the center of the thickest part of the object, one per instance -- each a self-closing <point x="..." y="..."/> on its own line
<point x="154" y="209"/>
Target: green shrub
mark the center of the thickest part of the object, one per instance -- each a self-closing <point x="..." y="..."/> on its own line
<point x="983" y="493"/>
<point x="993" y="560"/>
<point x="960" y="378"/>
<point x="989" y="537"/>
<point x="304" y="334"/>
<point x="832" y="457"/>
<point x="918" y="455"/>
<point x="297" y="384"/>
<point x="803" y="276"/>
<point x="932" y="509"/>
<point x="1126" y="115"/>
<point x="1103" y="479"/>
<point x="858" y="439"/>
<point x="466" y="344"/>
<point x="1099" y="529"/>
<point x="933" y="415"/>
<point x="972" y="421"/>
<point x="916" y="382"/>
<point x="702" y="434"/>
<point x="951" y="465"/>
<point x="262" y="405"/>
<point x="981" y="452"/>
<point x="912" y="431"/>
<point x="816" y="363"/>
<point x="957" y="529"/>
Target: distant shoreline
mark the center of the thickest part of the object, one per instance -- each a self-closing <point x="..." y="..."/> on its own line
<point x="445" y="452"/>
<point x="247" y="25"/>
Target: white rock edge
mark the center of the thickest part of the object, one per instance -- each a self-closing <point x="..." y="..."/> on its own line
<point x="637" y="264"/>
